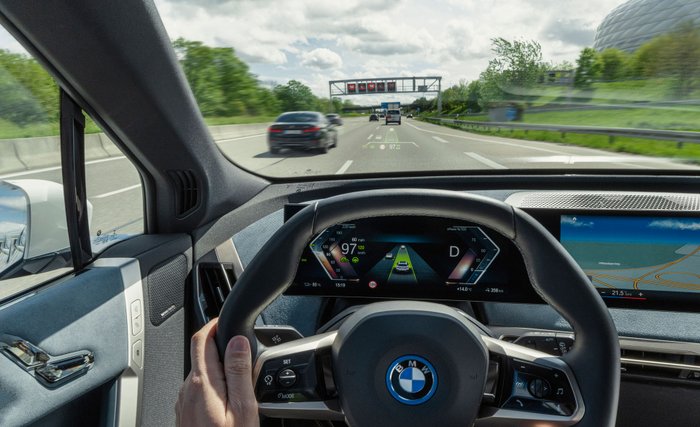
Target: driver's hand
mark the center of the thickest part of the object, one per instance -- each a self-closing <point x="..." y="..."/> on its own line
<point x="216" y="395"/>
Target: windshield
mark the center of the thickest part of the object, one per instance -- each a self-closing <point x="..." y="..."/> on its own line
<point x="445" y="85"/>
<point x="297" y="117"/>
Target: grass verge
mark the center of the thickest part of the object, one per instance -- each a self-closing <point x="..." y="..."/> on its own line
<point x="646" y="147"/>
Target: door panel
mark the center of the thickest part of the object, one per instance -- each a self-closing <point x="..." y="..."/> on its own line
<point x="85" y="312"/>
<point x="108" y="310"/>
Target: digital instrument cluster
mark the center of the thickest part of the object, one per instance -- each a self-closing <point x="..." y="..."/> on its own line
<point x="412" y="257"/>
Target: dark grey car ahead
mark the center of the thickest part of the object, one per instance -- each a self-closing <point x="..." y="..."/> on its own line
<point x="306" y="130"/>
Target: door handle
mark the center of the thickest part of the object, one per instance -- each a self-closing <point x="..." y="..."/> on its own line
<point x="51" y="371"/>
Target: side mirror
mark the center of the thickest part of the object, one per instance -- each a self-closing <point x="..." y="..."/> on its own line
<point x="33" y="230"/>
<point x="14" y="218"/>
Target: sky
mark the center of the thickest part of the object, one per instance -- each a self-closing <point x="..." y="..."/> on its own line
<point x="315" y="41"/>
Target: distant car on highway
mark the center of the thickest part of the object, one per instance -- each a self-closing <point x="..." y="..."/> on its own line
<point x="393" y="116"/>
<point x="389" y="255"/>
<point x="373" y="118"/>
<point x="409" y="115"/>
<point x="307" y="130"/>
<point x="381" y="115"/>
<point x="334" y="119"/>
<point x="402" y="267"/>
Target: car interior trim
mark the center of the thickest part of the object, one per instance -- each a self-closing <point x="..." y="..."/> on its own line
<point x="130" y="382"/>
<point x="626" y="343"/>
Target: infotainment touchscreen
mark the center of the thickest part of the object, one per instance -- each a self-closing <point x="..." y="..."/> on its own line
<point x="636" y="258"/>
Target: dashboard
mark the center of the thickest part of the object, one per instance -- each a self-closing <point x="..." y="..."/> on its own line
<point x="635" y="258"/>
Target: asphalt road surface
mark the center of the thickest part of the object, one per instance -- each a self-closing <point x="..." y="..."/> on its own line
<point x="363" y="147"/>
<point x="366" y="147"/>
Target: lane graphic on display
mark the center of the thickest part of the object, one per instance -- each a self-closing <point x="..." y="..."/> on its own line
<point x="636" y="253"/>
<point x="403" y="266"/>
<point x="402" y="271"/>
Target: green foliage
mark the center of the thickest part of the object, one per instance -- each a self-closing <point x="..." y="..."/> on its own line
<point x="675" y="55"/>
<point x="295" y="96"/>
<point x="587" y="68"/>
<point x="222" y="84"/>
<point x="460" y="98"/>
<point x="28" y="94"/>
<point x="517" y="65"/>
<point x="337" y="105"/>
<point x="612" y="64"/>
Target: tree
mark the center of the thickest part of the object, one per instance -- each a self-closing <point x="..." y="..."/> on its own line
<point x="612" y="63"/>
<point x="681" y="59"/>
<point x="337" y="104"/>
<point x="517" y="65"/>
<point x="28" y="93"/>
<point x="269" y="104"/>
<point x="221" y="83"/>
<point x="295" y="96"/>
<point x="587" y="68"/>
<point x="422" y="104"/>
<point x="473" y="96"/>
<point x="675" y="56"/>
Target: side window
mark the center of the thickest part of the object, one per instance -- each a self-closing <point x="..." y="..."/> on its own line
<point x="34" y="239"/>
<point x="113" y="190"/>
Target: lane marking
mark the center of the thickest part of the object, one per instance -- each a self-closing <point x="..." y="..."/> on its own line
<point x="484" y="160"/>
<point x="390" y="142"/>
<point x="438" y="139"/>
<point x="414" y="126"/>
<point x="370" y="137"/>
<point x="573" y="159"/>
<point x="378" y="137"/>
<point x="391" y="129"/>
<point x="121" y="190"/>
<point x="239" y="137"/>
<point x="343" y="168"/>
<point x="486" y="139"/>
<point x="54" y="168"/>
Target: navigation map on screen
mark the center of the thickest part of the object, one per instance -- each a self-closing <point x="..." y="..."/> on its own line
<point x="635" y="253"/>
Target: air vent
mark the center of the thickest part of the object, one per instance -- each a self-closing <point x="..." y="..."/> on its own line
<point x="661" y="365"/>
<point x="215" y="283"/>
<point x="621" y="201"/>
<point x="186" y="191"/>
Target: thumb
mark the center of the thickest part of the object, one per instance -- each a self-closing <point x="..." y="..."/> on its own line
<point x="239" y="382"/>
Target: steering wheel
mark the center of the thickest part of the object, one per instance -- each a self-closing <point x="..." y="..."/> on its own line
<point x="406" y="363"/>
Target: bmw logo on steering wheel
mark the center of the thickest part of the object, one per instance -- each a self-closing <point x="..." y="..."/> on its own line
<point x="411" y="380"/>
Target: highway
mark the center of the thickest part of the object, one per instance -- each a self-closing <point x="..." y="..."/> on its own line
<point x="363" y="147"/>
<point x="366" y="147"/>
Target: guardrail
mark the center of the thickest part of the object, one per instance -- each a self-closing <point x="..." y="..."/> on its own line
<point x="26" y="154"/>
<point x="680" y="137"/>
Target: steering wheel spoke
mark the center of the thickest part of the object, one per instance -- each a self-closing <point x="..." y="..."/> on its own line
<point x="294" y="380"/>
<point x="531" y="387"/>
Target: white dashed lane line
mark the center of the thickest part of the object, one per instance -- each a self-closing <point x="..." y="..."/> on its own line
<point x="438" y="139"/>
<point x="121" y="190"/>
<point x="343" y="168"/>
<point x="488" y="162"/>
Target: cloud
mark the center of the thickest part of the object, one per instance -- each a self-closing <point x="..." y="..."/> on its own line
<point x="322" y="59"/>
<point x="572" y="221"/>
<point x="571" y="31"/>
<point x="399" y="37"/>
<point x="674" y="224"/>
